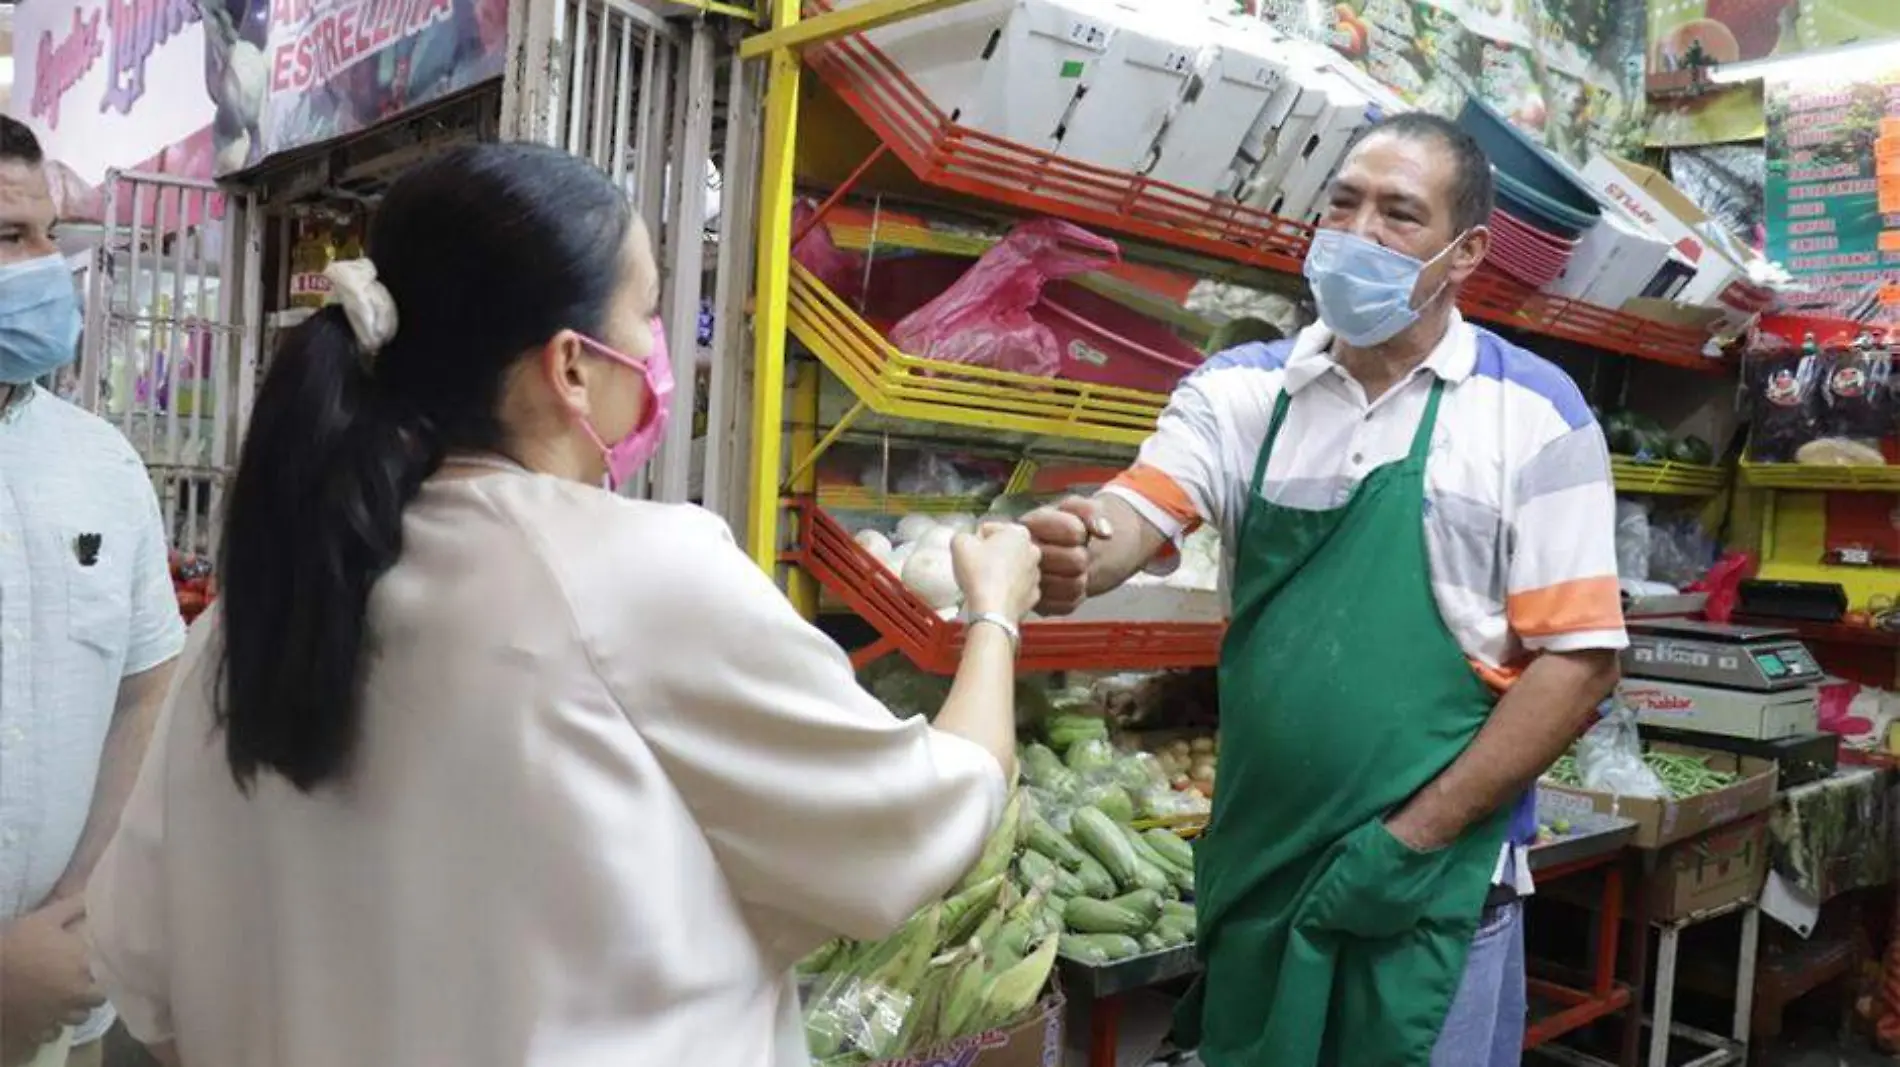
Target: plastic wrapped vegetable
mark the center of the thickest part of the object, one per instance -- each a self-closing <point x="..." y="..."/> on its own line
<point x="1783" y="393"/>
<point x="1855" y="395"/>
<point x="1610" y="758"/>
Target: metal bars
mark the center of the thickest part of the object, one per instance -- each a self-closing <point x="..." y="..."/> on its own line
<point x="166" y="355"/>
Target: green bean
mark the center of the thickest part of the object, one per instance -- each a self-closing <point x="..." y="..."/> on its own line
<point x="1684" y="776"/>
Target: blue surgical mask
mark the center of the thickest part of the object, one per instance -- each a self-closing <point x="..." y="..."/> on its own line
<point x="1364" y="289"/>
<point x="39" y="319"/>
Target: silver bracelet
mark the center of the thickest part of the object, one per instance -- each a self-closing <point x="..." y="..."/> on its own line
<point x="1001" y="623"/>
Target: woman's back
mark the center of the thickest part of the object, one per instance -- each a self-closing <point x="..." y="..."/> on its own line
<point x="508" y="874"/>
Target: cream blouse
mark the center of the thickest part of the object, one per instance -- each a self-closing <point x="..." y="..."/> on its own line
<point x="609" y="788"/>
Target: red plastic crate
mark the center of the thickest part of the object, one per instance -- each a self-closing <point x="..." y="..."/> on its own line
<point x="843" y="566"/>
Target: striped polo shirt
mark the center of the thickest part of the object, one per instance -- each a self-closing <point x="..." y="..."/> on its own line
<point x="1520" y="509"/>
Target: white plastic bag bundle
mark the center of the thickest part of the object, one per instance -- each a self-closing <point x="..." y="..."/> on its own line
<point x="1610" y="758"/>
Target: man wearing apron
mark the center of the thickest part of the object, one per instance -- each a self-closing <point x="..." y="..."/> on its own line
<point x="1417" y="537"/>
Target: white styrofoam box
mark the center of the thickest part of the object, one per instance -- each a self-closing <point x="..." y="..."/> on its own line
<point x="1136" y="87"/>
<point x="1239" y="79"/>
<point x="1009" y="68"/>
<point x="1291" y="181"/>
<point x="1614" y="261"/>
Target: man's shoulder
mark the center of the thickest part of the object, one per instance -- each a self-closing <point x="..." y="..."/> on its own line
<point x="1529" y="379"/>
<point x="78" y="433"/>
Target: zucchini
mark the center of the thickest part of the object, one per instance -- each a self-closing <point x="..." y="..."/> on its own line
<point x="1152" y="870"/>
<point x="1174" y="930"/>
<point x="1039" y="870"/>
<point x="1049" y="841"/>
<point x="1085" y="916"/>
<point x="1098" y="949"/>
<point x="1095" y="879"/>
<point x="1177" y="910"/>
<point x="1171" y="848"/>
<point x="1145" y="903"/>
<point x="1153" y="942"/>
<point x="1101" y="838"/>
<point x="1041" y="766"/>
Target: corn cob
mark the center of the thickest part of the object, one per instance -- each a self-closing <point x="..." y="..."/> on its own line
<point x="965" y="911"/>
<point x="1015" y="990"/>
<point x="964" y="995"/>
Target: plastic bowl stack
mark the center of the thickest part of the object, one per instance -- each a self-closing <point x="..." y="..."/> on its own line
<point x="1526" y="252"/>
<point x="1543" y="208"/>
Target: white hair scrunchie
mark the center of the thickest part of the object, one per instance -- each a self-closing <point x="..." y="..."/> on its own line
<point x="366" y="301"/>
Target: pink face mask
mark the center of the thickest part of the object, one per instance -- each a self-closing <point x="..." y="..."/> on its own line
<point x="633" y="451"/>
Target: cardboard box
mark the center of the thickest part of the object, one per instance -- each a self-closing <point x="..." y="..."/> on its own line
<point x="1662" y="822"/>
<point x="1305" y="151"/>
<point x="1034" y="1042"/>
<point x="1239" y="78"/>
<point x="1136" y="87"/>
<point x="1647" y="195"/>
<point x="1710" y="871"/>
<point x="1010" y="68"/>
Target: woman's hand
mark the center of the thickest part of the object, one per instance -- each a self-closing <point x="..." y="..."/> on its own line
<point x="999" y="570"/>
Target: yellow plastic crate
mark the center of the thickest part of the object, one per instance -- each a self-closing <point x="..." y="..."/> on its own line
<point x="901" y="386"/>
<point x="1812" y="479"/>
<point x="1665" y="479"/>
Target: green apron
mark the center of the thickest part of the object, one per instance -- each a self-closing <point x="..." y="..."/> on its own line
<point x="1324" y="939"/>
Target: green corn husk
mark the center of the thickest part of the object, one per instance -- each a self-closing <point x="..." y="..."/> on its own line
<point x="1015" y="990"/>
<point x="1000" y="848"/>
<point x="963" y="998"/>
<point x="965" y="911"/>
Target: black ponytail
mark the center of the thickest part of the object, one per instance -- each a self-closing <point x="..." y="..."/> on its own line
<point x="488" y="251"/>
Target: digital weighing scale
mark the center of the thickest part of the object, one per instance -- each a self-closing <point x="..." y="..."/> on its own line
<point x="1756" y="683"/>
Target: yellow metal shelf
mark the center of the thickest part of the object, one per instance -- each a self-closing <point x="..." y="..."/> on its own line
<point x="1813" y="479"/>
<point x="893" y="384"/>
<point x="858" y="498"/>
<point x="1666" y="479"/>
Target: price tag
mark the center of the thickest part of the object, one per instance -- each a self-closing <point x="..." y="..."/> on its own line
<point x="1857" y="557"/>
<point x="1564" y="805"/>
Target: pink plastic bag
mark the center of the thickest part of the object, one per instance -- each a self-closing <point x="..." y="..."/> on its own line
<point x="984" y="319"/>
<point x="842" y="272"/>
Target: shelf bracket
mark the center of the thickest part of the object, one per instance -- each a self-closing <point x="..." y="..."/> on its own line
<point x="824" y="444"/>
<point x="835" y="24"/>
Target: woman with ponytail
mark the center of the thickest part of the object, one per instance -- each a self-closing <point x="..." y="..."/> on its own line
<point x="476" y="763"/>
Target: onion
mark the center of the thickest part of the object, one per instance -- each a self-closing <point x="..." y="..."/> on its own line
<point x="912" y="527"/>
<point x="929" y="574"/>
<point x="961" y="523"/>
<point x="875" y="543"/>
<point x="937" y="538"/>
<point x="1201" y="745"/>
<point x="900" y="556"/>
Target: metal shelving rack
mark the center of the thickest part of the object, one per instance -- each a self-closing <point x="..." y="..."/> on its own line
<point x="959" y="163"/>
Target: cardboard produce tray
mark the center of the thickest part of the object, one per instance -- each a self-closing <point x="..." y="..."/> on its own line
<point x="1592" y="834"/>
<point x="1660" y="821"/>
<point x="1090" y="982"/>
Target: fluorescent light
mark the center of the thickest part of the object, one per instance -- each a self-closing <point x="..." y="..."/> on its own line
<point x="6" y="70"/>
<point x="1845" y="63"/>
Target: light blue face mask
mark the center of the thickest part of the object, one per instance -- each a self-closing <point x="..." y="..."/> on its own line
<point x="39" y="319"/>
<point x="1364" y="289"/>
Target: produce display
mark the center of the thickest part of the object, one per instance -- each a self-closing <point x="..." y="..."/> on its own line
<point x="1643" y="439"/>
<point x="1079" y="766"/>
<point x="1684" y="776"/>
<point x="1095" y="890"/>
<point x="918" y="552"/>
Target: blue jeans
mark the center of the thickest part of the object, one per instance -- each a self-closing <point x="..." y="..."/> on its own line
<point x="1485" y="1027"/>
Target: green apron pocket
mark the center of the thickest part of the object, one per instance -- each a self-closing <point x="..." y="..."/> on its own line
<point x="1376" y="886"/>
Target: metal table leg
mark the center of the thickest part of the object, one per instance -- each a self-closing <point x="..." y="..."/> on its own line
<point x="1104" y="1031"/>
<point x="1663" y="1014"/>
<point x="1745" y="977"/>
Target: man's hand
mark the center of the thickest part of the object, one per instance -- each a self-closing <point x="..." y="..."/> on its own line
<point x="45" y="980"/>
<point x="1062" y="534"/>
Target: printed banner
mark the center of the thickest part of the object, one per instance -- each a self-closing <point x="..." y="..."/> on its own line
<point x="1686" y="37"/>
<point x="287" y="74"/>
<point x="1561" y="70"/>
<point x="110" y="84"/>
<point x="1833" y="193"/>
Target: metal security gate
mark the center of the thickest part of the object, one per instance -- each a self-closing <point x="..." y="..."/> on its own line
<point x="166" y="355"/>
<point x="616" y="83"/>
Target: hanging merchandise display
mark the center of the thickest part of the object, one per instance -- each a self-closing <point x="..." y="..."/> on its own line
<point x="1560" y="70"/>
<point x="1833" y="188"/>
<point x="1689" y="38"/>
<point x="293" y="73"/>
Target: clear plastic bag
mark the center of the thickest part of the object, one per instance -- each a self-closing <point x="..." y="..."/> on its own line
<point x="1679" y="551"/>
<point x="1632" y="539"/>
<point x="983" y="319"/>
<point x="1610" y="758"/>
